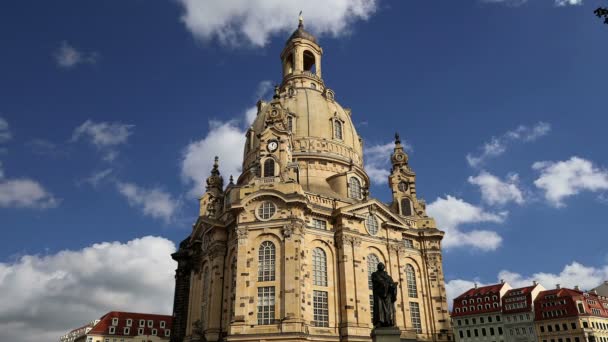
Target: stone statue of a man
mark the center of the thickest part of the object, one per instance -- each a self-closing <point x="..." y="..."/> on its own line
<point x="385" y="294"/>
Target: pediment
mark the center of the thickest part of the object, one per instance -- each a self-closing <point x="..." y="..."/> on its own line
<point x="380" y="210"/>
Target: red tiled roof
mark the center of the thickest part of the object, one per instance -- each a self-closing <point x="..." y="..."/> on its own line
<point x="489" y="296"/>
<point x="102" y="328"/>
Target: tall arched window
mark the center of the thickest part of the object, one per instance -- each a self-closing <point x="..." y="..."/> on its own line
<point x="266" y="261"/>
<point x="337" y="129"/>
<point x="410" y="275"/>
<point x="269" y="167"/>
<point x="233" y="287"/>
<point x="319" y="267"/>
<point x="406" y="207"/>
<point x="309" y="61"/>
<point x="354" y="188"/>
<point x="205" y="296"/>
<point x="372" y="266"/>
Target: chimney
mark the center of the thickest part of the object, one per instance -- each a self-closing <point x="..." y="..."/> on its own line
<point x="475" y="285"/>
<point x="557" y="286"/>
<point x="534" y="282"/>
<point x="594" y="291"/>
<point x="576" y="288"/>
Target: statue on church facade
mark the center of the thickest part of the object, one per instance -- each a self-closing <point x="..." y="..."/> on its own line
<point x="384" y="290"/>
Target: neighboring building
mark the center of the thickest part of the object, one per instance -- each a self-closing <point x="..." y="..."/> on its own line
<point x="285" y="251"/>
<point x="78" y="334"/>
<point x="477" y="316"/>
<point x="125" y="327"/>
<point x="518" y="313"/>
<point x="571" y="315"/>
<point x="602" y="290"/>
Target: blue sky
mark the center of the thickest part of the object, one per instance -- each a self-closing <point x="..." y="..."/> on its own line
<point x="110" y="115"/>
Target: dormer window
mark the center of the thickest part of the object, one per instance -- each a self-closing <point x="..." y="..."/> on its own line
<point x="129" y="322"/>
<point x="162" y="324"/>
<point x="154" y="332"/>
<point x="337" y="129"/>
<point x="112" y="330"/>
<point x="354" y="188"/>
<point x="150" y="323"/>
<point x="142" y="323"/>
<point x="115" y="321"/>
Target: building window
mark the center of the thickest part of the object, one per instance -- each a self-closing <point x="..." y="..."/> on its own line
<point x="461" y="334"/>
<point x="151" y="323"/>
<point x="129" y="322"/>
<point x="492" y="331"/>
<point x="499" y="330"/>
<point x="321" y="309"/>
<point x="319" y="224"/>
<point x="337" y="129"/>
<point x="266" y="305"/>
<point x="167" y="332"/>
<point x="142" y="323"/>
<point x="290" y="123"/>
<point x="162" y="324"/>
<point x="581" y="307"/>
<point x="127" y="330"/>
<point x="483" y="331"/>
<point x="154" y="332"/>
<point x="319" y="267"/>
<point x="112" y="330"/>
<point x="266" y="261"/>
<point x="140" y="331"/>
<point x="114" y="321"/>
<point x="410" y="274"/>
<point x="573" y="325"/>
<point x="468" y="333"/>
<point x="476" y="332"/>
<point x="406" y="209"/>
<point x="497" y="318"/>
<point x="372" y="224"/>
<point x="408" y="243"/>
<point x="372" y="266"/>
<point x="489" y="319"/>
<point x="354" y="188"/>
<point x="269" y="167"/>
<point x="415" y="313"/>
<point x="459" y="322"/>
<point x="267" y="210"/>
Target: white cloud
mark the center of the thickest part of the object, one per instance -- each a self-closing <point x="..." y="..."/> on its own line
<point x="378" y="160"/>
<point x="225" y="140"/>
<point x="568" y="2"/>
<point x="567" y="178"/>
<point x="498" y="145"/>
<point x="573" y="274"/>
<point x="495" y="191"/>
<point x="5" y="133"/>
<point x="44" y="297"/>
<point x="516" y="3"/>
<point x="67" y="56"/>
<point x="451" y="213"/>
<point x="97" y="177"/>
<point x="104" y="135"/>
<point x="234" y="22"/>
<point x="153" y="202"/>
<point x="25" y="193"/>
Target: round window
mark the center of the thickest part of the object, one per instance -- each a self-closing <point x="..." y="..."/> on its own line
<point x="266" y="210"/>
<point x="372" y="224"/>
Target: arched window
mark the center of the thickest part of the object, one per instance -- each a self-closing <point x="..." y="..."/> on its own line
<point x="337" y="129"/>
<point x="290" y="123"/>
<point x="406" y="207"/>
<point x="355" y="188"/>
<point x="372" y="224"/>
<point x="309" y="62"/>
<point x="479" y="307"/>
<point x="266" y="261"/>
<point x="289" y="64"/>
<point x="269" y="167"/>
<point x="205" y="295"/>
<point x="319" y="267"/>
<point x="410" y="275"/>
<point x="372" y="266"/>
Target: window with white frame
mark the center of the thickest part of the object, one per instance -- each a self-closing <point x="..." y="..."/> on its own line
<point x="410" y="275"/>
<point x="140" y="331"/>
<point x="127" y="330"/>
<point x="112" y="330"/>
<point x="267" y="210"/>
<point x="162" y="324"/>
<point x="372" y="266"/>
<point x="129" y="322"/>
<point x="319" y="267"/>
<point x="320" y="309"/>
<point x="115" y="321"/>
<point x="154" y="332"/>
<point x="266" y="305"/>
<point x="142" y="323"/>
<point x="167" y="332"/>
<point x="415" y="314"/>
<point x="266" y="261"/>
<point x="150" y="323"/>
<point x="319" y="224"/>
<point x="354" y="188"/>
<point x="372" y="224"/>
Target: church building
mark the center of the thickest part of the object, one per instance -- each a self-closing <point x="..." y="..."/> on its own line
<point x="285" y="252"/>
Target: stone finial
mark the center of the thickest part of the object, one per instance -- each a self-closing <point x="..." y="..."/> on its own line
<point x="276" y="92"/>
<point x="215" y="179"/>
<point x="397" y="138"/>
<point x="231" y="182"/>
<point x="534" y="282"/>
<point x="300" y="20"/>
<point x="557" y="286"/>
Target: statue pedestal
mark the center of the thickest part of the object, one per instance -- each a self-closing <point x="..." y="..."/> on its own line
<point x="386" y="334"/>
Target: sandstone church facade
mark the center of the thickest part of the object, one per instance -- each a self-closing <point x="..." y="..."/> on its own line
<point x="285" y="252"/>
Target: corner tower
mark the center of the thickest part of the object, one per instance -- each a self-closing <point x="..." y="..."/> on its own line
<point x="285" y="253"/>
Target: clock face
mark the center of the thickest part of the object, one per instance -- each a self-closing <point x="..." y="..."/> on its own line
<point x="403" y="185"/>
<point x="273" y="145"/>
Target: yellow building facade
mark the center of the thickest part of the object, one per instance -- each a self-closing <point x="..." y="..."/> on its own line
<point x="285" y="252"/>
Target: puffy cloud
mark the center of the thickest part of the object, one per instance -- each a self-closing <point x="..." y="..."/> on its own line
<point x="5" y="133"/>
<point x="24" y="193"/>
<point x="378" y="160"/>
<point x="104" y="135"/>
<point x="496" y="191"/>
<point x="153" y="202"/>
<point x="97" y="177"/>
<point x="498" y="145"/>
<point x="234" y="22"/>
<point x="451" y="213"/>
<point x="573" y="274"/>
<point x="67" y="56"/>
<point x="569" y="177"/>
<point x="44" y="297"/>
<point x="516" y="3"/>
